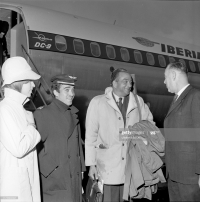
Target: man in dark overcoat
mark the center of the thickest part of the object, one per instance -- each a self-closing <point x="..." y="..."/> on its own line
<point x="182" y="133"/>
<point x="60" y="157"/>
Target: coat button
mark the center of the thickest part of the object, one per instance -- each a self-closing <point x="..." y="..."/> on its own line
<point x="122" y="158"/>
<point x="77" y="173"/>
<point x="119" y="118"/>
<point x="69" y="156"/>
<point x="122" y="144"/>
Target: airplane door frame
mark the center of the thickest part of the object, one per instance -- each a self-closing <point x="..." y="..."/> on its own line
<point x="19" y="33"/>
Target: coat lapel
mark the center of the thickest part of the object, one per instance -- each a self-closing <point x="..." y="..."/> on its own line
<point x="132" y="103"/>
<point x="124" y="108"/>
<point x="74" y="120"/>
<point x="180" y="98"/>
<point x="111" y="101"/>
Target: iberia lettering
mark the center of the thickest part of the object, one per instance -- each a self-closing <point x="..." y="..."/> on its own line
<point x="180" y="51"/>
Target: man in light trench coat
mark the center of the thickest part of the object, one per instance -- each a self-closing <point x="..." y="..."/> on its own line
<point x="106" y="114"/>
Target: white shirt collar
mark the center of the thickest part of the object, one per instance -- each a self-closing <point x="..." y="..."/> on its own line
<point x="181" y="91"/>
<point x="117" y="97"/>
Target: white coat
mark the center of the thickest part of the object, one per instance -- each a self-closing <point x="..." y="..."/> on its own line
<point x="103" y="122"/>
<point x="19" y="176"/>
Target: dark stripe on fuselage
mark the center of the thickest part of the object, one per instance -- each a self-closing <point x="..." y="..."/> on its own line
<point x="46" y="41"/>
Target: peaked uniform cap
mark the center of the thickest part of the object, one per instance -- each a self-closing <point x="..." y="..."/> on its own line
<point x="64" y="79"/>
<point x="17" y="69"/>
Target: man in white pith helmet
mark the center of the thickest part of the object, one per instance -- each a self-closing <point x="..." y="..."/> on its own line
<point x="19" y="176"/>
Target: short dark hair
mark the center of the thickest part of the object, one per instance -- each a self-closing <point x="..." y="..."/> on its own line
<point x="178" y="66"/>
<point x="55" y="86"/>
<point x="115" y="73"/>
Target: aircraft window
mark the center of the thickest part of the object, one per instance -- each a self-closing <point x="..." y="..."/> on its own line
<point x="124" y="54"/>
<point x="60" y="43"/>
<point x="110" y="52"/>
<point x="150" y="58"/>
<point x="95" y="49"/>
<point x="192" y="66"/>
<point x="183" y="62"/>
<point x="162" y="60"/>
<point x="78" y="46"/>
<point x="171" y="59"/>
<point x="138" y="56"/>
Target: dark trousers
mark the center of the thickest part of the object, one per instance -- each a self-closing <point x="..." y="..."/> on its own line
<point x="113" y="193"/>
<point x="183" y="192"/>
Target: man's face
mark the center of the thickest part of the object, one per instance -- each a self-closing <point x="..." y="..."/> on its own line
<point x="169" y="80"/>
<point x="66" y="94"/>
<point x="122" y="84"/>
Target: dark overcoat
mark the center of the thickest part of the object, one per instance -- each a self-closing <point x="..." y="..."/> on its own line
<point x="182" y="135"/>
<point x="60" y="152"/>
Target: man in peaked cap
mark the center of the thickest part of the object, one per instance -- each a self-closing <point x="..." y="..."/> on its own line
<point x="60" y="156"/>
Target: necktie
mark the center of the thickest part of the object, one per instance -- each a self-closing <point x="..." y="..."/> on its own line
<point x="174" y="99"/>
<point x="120" y="104"/>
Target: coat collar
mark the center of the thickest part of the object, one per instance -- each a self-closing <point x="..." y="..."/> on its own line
<point x="180" y="98"/>
<point x="69" y="114"/>
<point x="131" y="105"/>
<point x="15" y="96"/>
<point x="63" y="107"/>
<point x="110" y="99"/>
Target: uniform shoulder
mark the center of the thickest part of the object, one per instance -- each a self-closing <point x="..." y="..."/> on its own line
<point x="41" y="110"/>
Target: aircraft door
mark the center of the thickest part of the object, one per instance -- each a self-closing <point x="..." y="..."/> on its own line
<point x="15" y="36"/>
<point x="18" y="38"/>
<point x="4" y="34"/>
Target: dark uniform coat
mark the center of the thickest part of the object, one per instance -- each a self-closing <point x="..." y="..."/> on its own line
<point x="182" y="134"/>
<point x="60" y="156"/>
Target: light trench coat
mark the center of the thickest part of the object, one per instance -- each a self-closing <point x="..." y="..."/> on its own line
<point x="19" y="176"/>
<point x="103" y="121"/>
